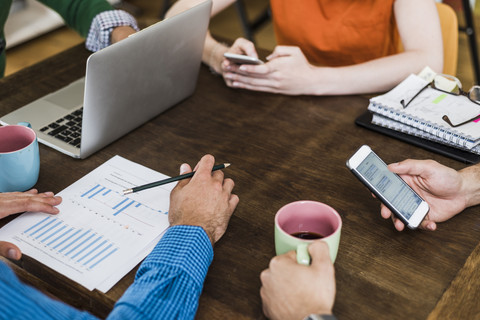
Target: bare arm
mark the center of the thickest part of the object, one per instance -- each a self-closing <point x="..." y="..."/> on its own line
<point x="213" y="50"/>
<point x="471" y="184"/>
<point x="420" y="32"/>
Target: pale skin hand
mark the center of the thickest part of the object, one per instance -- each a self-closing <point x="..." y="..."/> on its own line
<point x="288" y="72"/>
<point x="293" y="291"/>
<point x="16" y="202"/>
<point x="447" y="191"/>
<point x="205" y="200"/>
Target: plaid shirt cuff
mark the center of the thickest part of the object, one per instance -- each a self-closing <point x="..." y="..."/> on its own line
<point x="102" y="26"/>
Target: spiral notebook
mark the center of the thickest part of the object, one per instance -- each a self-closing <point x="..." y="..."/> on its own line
<point x="425" y="113"/>
<point x="365" y="120"/>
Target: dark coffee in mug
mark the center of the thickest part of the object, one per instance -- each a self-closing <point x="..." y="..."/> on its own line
<point x="307" y="235"/>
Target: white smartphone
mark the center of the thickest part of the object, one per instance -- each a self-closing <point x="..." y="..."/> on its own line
<point x="387" y="186"/>
<point x="241" y="59"/>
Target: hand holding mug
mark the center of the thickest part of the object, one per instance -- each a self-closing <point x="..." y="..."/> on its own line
<point x="293" y="291"/>
<point x="298" y="223"/>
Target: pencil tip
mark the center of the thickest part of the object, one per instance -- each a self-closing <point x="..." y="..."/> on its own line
<point x="226" y="164"/>
<point x="128" y="191"/>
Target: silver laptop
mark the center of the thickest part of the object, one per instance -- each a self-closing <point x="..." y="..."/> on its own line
<point x="125" y="85"/>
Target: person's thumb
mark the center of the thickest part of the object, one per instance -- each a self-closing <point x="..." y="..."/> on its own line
<point x="10" y="251"/>
<point x="184" y="168"/>
<point x="319" y="252"/>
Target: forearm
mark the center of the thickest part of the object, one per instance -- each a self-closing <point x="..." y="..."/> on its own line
<point x="169" y="282"/>
<point x="471" y="184"/>
<point x="374" y="76"/>
<point x="419" y="29"/>
<point x="213" y="50"/>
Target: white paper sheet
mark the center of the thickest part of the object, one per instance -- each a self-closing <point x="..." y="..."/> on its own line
<point x="99" y="234"/>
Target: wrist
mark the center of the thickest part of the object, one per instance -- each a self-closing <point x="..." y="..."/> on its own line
<point x="470" y="177"/>
<point x="215" y="58"/>
<point x="206" y="230"/>
<point x="323" y="81"/>
<point x="120" y="33"/>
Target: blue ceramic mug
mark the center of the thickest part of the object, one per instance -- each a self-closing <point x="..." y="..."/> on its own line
<point x="19" y="157"/>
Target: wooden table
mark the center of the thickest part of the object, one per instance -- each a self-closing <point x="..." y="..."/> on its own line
<point x="282" y="149"/>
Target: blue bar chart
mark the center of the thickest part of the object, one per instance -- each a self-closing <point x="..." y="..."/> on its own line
<point x="116" y="203"/>
<point x="83" y="246"/>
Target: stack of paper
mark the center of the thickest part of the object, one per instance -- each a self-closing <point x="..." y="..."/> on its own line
<point x="99" y="234"/>
<point x="423" y="116"/>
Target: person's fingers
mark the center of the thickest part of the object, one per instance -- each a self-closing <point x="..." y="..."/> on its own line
<point x="218" y="175"/>
<point x="9" y="250"/>
<point x="287" y="258"/>
<point x="184" y="168"/>
<point x="43" y="204"/>
<point x="228" y="185"/>
<point x="204" y="166"/>
<point x="428" y="225"/>
<point x="385" y="212"/>
<point x="398" y="223"/>
<point x="250" y="80"/>
<point x="252" y="70"/>
<point x="264" y="275"/>
<point x="264" y="297"/>
<point x="32" y="191"/>
<point x="281" y="51"/>
<point x="233" y="202"/>
<point x="284" y="259"/>
<point x="244" y="46"/>
<point x="413" y="167"/>
<point x="46" y="194"/>
<point x="319" y="252"/>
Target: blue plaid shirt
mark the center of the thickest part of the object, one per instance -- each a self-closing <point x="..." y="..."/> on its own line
<point x="167" y="285"/>
<point x="102" y="25"/>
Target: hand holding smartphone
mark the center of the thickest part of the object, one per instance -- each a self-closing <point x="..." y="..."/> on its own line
<point x="387" y="186"/>
<point x="242" y="59"/>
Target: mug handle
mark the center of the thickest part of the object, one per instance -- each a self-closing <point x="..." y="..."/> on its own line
<point x="302" y="254"/>
<point x="25" y="124"/>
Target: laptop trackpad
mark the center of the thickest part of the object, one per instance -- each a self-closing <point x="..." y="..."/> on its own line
<point x="68" y="97"/>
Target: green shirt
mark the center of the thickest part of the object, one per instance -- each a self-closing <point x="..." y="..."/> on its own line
<point x="78" y="14"/>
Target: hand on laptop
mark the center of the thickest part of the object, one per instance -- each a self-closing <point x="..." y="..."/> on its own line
<point x="16" y="202"/>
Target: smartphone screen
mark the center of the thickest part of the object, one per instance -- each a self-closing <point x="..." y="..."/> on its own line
<point x="395" y="190"/>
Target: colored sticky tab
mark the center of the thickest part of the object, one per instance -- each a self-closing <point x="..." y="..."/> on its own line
<point x="439" y="98"/>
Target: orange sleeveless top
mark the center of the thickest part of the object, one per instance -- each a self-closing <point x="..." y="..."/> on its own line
<point x="337" y="32"/>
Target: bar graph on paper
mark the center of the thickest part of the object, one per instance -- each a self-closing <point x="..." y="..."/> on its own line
<point x="99" y="234"/>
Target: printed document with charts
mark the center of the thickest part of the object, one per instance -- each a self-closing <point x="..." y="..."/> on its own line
<point x="423" y="116"/>
<point x="99" y="234"/>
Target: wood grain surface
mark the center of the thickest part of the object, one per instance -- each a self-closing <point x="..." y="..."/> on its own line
<point x="282" y="149"/>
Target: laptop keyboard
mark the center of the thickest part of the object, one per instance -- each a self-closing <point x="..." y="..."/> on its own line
<point x="67" y="129"/>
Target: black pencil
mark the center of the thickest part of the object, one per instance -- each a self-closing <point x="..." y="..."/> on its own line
<point x="173" y="179"/>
